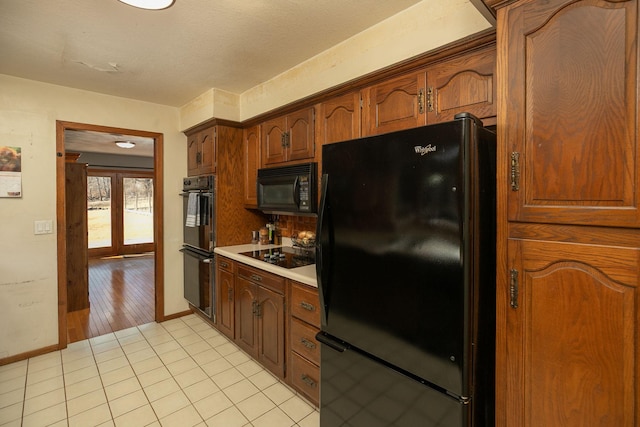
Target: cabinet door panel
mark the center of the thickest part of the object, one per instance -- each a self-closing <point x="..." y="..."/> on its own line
<point x="273" y="150"/>
<point x="570" y="340"/>
<point x="571" y="98"/>
<point x="464" y="84"/>
<point x="339" y="119"/>
<point x="207" y="142"/>
<point x="193" y="155"/>
<point x="301" y="133"/>
<point x="245" y="301"/>
<point x="271" y="331"/>
<point x="225" y="313"/>
<point x="396" y="104"/>
<point x="251" y="152"/>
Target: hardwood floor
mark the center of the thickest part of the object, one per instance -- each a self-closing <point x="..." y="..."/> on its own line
<point x="121" y="295"/>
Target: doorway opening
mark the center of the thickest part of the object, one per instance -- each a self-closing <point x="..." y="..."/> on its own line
<point x="123" y="231"/>
<point x="119" y="212"/>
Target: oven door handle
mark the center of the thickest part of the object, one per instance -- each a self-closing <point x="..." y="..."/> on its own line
<point x="204" y="258"/>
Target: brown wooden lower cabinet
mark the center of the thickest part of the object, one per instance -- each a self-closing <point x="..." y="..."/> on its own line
<point x="305" y="377"/>
<point x="251" y="311"/>
<point x="259" y="317"/>
<point x="225" y="307"/>
<point x="571" y="314"/>
<point x="304" y="351"/>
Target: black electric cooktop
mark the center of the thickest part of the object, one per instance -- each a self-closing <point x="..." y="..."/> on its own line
<point x="284" y="256"/>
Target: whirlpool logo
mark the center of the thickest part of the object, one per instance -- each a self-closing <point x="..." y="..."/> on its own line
<point x="424" y="150"/>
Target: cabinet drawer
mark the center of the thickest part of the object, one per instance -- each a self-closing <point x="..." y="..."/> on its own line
<point x="267" y="280"/>
<point x="305" y="304"/>
<point x="303" y="340"/>
<point x="305" y="377"/>
<point x="225" y="264"/>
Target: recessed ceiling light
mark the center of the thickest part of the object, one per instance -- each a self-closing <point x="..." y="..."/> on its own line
<point x="125" y="144"/>
<point x="149" y="4"/>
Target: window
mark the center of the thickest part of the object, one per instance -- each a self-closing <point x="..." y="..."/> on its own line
<point x="120" y="212"/>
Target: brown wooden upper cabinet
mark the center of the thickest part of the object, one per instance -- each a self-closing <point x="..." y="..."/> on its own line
<point x="437" y="93"/>
<point x="571" y="86"/>
<point x="251" y="153"/>
<point x="288" y="138"/>
<point x="462" y="84"/>
<point x="339" y="118"/>
<point x="394" y="104"/>
<point x="201" y="154"/>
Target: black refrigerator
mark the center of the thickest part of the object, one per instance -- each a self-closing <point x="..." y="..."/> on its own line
<point x="405" y="258"/>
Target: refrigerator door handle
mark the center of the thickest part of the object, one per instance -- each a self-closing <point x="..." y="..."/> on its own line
<point x="331" y="342"/>
<point x="323" y="238"/>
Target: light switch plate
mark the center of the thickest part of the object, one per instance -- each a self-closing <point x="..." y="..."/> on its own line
<point x="44" y="226"/>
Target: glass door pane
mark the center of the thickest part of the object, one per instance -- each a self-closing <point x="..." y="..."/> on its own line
<point x="138" y="210"/>
<point x="99" y="211"/>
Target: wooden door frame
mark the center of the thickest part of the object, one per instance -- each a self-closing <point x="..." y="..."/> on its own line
<point x="61" y="225"/>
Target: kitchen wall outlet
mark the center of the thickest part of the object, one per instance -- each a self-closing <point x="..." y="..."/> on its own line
<point x="44" y="226"/>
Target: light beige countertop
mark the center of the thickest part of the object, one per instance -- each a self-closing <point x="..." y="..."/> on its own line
<point x="306" y="274"/>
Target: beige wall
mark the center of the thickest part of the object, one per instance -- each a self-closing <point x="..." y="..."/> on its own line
<point x="419" y="29"/>
<point x="28" y="262"/>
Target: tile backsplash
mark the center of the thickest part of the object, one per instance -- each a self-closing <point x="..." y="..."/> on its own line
<point x="289" y="223"/>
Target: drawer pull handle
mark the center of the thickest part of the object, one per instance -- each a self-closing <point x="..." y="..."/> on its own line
<point x="307" y="306"/>
<point x="309" y="344"/>
<point x="230" y="294"/>
<point x="224" y="265"/>
<point x="307" y="380"/>
<point x="256" y="278"/>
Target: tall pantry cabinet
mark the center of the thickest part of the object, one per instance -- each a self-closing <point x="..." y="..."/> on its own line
<point x="568" y="215"/>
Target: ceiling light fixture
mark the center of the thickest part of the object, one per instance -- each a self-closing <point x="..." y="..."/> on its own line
<point x="125" y="144"/>
<point x="149" y="4"/>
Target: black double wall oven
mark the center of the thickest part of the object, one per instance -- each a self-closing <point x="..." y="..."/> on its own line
<point x="199" y="206"/>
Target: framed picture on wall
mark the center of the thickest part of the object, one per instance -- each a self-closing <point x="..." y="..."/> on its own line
<point x="10" y="171"/>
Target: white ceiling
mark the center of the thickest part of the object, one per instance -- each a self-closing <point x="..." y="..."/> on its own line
<point x="172" y="56"/>
<point x="84" y="141"/>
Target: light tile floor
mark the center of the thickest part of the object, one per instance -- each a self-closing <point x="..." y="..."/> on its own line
<point x="178" y="373"/>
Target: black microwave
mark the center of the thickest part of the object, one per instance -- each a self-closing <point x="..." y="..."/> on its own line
<point x="288" y="189"/>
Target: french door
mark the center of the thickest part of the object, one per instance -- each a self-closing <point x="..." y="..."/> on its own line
<point x="119" y="212"/>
